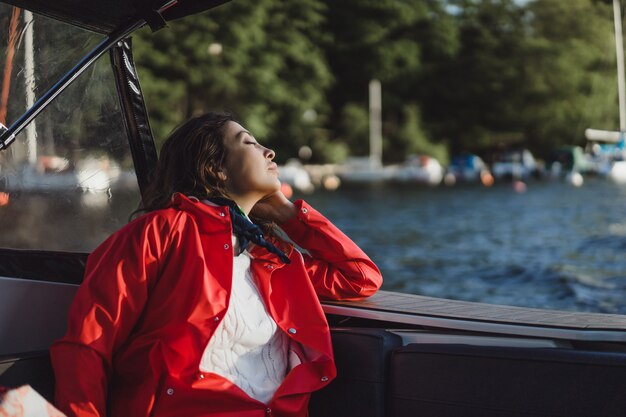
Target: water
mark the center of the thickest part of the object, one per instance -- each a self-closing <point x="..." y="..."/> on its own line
<point x="554" y="246"/>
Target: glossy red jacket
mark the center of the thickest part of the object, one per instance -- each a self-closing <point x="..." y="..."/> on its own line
<point x="155" y="291"/>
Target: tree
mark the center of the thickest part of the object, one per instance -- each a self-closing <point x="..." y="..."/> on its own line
<point x="571" y="82"/>
<point x="532" y="75"/>
<point x="391" y="41"/>
<point x="261" y="59"/>
<point x="458" y="75"/>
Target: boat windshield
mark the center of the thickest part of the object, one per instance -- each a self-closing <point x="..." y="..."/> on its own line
<point x="35" y="52"/>
<point x="67" y="181"/>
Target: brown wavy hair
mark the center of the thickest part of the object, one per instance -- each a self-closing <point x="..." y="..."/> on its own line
<point x="190" y="160"/>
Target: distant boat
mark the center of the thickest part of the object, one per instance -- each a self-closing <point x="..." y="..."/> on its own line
<point x="514" y="164"/>
<point x="361" y="169"/>
<point x="294" y="174"/>
<point x="607" y="152"/>
<point x="567" y="159"/>
<point x="54" y="173"/>
<point x="467" y="167"/>
<point x="421" y="169"/>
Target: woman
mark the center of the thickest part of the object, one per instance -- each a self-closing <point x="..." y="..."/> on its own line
<point x="190" y="311"/>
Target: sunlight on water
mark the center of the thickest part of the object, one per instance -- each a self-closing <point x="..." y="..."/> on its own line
<point x="554" y="246"/>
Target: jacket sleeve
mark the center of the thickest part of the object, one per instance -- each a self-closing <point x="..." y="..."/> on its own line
<point x="338" y="268"/>
<point x="106" y="307"/>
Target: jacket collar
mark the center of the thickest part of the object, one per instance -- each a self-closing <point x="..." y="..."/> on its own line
<point x="211" y="218"/>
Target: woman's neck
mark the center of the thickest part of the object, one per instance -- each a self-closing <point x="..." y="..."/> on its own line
<point x="245" y="203"/>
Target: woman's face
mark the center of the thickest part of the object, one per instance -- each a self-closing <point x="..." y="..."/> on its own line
<point x="249" y="169"/>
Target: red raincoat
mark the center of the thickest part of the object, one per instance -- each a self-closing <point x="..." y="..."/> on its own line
<point x="154" y="293"/>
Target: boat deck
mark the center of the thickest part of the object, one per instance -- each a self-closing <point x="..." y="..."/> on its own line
<point x="478" y="317"/>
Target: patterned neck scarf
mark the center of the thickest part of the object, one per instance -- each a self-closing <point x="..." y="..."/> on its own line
<point x="245" y="230"/>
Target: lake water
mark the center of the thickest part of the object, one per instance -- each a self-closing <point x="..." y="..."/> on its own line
<point x="553" y="246"/>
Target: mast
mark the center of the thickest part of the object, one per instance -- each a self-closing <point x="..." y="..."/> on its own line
<point x="29" y="84"/>
<point x="619" y="50"/>
<point x="612" y="136"/>
<point x="376" y="135"/>
<point x="8" y="66"/>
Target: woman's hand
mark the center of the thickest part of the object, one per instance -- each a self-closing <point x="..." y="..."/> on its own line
<point x="274" y="207"/>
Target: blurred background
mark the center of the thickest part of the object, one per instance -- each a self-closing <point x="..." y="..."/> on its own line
<point x="456" y="76"/>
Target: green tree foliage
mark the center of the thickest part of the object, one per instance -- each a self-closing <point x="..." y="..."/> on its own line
<point x="261" y="60"/>
<point x="481" y="79"/>
<point x="570" y="72"/>
<point x="393" y="41"/>
<point x="531" y="75"/>
<point x="457" y="75"/>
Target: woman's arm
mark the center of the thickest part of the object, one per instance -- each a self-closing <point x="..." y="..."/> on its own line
<point x="103" y="313"/>
<point x="338" y="268"/>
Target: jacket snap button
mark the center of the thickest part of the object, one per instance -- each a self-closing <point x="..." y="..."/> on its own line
<point x="292" y="330"/>
<point x="270" y="266"/>
<point x="324" y="378"/>
<point x="216" y="318"/>
<point x="170" y="391"/>
<point x="222" y="214"/>
<point x="268" y="411"/>
<point x="201" y="376"/>
<point x="304" y="210"/>
<point x="226" y="246"/>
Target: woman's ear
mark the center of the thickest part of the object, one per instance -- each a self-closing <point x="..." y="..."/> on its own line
<point x="221" y="175"/>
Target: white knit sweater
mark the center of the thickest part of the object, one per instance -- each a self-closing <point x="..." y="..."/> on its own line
<point x="247" y="348"/>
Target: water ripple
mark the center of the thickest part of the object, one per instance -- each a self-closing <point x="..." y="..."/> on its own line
<point x="552" y="247"/>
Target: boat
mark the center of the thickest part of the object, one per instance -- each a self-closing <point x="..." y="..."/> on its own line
<point x="397" y="354"/>
<point x="467" y="167"/>
<point x="294" y="174"/>
<point x="420" y="169"/>
<point x="607" y="152"/>
<point x="514" y="164"/>
<point x="361" y="170"/>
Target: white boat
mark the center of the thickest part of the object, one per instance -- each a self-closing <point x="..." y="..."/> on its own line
<point x="421" y="169"/>
<point x="294" y="174"/>
<point x="516" y="164"/>
<point x="607" y="152"/>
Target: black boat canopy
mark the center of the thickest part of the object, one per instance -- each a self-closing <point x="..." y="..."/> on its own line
<point x="108" y="16"/>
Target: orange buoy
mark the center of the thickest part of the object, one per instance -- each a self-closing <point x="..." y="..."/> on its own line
<point x="4" y="199"/>
<point x="286" y="189"/>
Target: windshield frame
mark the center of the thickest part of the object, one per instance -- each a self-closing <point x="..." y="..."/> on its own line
<point x="8" y="134"/>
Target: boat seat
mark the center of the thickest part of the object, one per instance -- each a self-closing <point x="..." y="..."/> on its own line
<point x="431" y="380"/>
<point x="33" y="368"/>
<point x="362" y="359"/>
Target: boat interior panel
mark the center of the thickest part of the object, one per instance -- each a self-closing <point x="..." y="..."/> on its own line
<point x="379" y="376"/>
<point x="32" y="314"/>
<point x="477" y="381"/>
<point x="52" y="266"/>
<point x="362" y="357"/>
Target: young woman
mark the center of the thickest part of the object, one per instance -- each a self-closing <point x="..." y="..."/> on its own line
<point x="191" y="309"/>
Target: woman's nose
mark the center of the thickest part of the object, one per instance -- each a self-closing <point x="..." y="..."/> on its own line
<point x="269" y="154"/>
